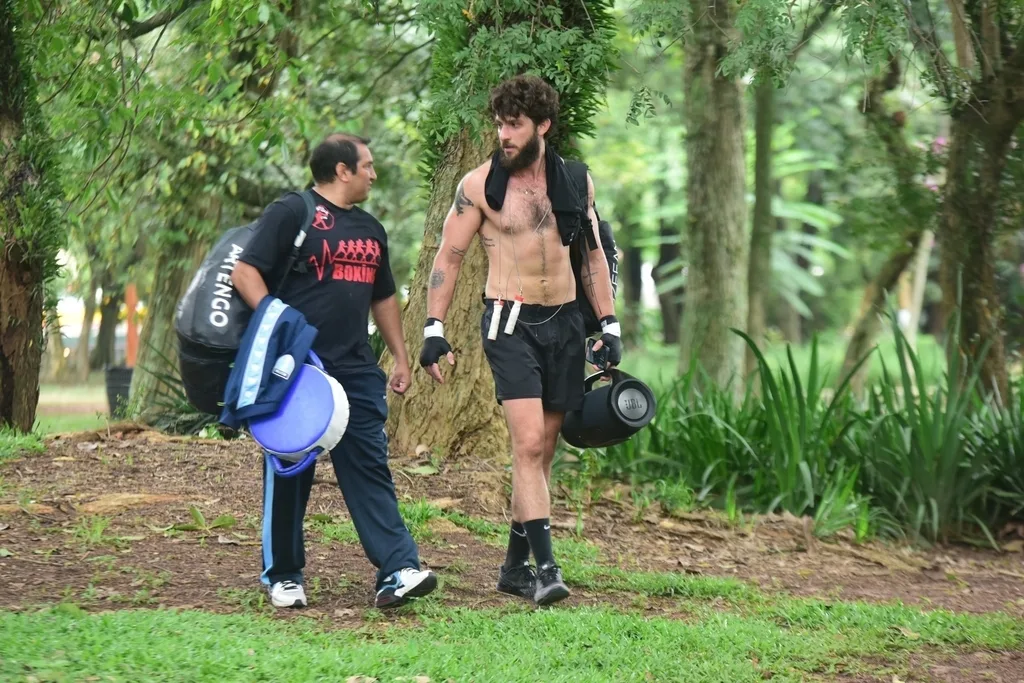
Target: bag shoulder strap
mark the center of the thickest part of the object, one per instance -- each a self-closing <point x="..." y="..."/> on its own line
<point x="300" y="236"/>
<point x="578" y="175"/>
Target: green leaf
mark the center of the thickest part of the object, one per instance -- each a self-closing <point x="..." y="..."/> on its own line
<point x="197" y="515"/>
<point x="223" y="522"/>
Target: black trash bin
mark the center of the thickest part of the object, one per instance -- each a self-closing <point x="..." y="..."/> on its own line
<point x="119" y="381"/>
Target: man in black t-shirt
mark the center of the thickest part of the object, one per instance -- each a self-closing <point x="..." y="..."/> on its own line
<point x="342" y="275"/>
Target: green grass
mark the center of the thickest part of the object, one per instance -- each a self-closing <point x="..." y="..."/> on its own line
<point x="785" y="640"/>
<point x="723" y="630"/>
<point x="14" y="443"/>
<point x="50" y="419"/>
<point x="75" y="422"/>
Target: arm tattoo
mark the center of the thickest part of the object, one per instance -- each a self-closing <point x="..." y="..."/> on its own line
<point x="488" y="241"/>
<point x="459" y="252"/>
<point x="436" y="279"/>
<point x="461" y="200"/>
<point x="588" y="279"/>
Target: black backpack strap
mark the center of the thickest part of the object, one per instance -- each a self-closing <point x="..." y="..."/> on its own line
<point x="300" y="236"/>
<point x="578" y="175"/>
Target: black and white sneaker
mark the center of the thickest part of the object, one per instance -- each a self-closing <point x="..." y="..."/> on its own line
<point x="287" y="594"/>
<point x="404" y="584"/>
<point x="520" y="580"/>
<point x="550" y="587"/>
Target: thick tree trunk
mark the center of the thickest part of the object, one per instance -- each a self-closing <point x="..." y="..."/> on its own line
<point x="759" y="275"/>
<point x="671" y="303"/>
<point x="21" y="338"/>
<point x="920" y="280"/>
<point x="82" y="348"/>
<point x="28" y="241"/>
<point x="158" y="346"/>
<point x="460" y="417"/>
<point x="631" y="282"/>
<point x="872" y="306"/>
<point x="977" y="157"/>
<point x="716" y="292"/>
<point x="103" y="350"/>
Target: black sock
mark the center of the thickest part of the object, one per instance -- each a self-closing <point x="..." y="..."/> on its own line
<point x="539" y="533"/>
<point x="518" y="546"/>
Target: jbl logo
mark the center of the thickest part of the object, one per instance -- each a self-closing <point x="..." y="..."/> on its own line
<point x="632" y="404"/>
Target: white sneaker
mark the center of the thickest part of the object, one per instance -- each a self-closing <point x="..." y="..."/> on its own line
<point x="405" y="584"/>
<point x="287" y="594"/>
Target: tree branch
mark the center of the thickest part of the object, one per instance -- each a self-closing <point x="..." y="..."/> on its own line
<point x="1015" y="77"/>
<point x="926" y="41"/>
<point x="991" y="51"/>
<point x="401" y="58"/>
<point x="137" y="29"/>
<point x="961" y="35"/>
<point x="254" y="194"/>
<point x="888" y="127"/>
<point x="819" y="20"/>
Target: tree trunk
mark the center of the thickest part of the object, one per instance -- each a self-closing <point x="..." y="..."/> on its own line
<point x="460" y="417"/>
<point x="716" y="292"/>
<point x="920" y="280"/>
<point x="791" y="324"/>
<point x="905" y="164"/>
<point x="759" y="275"/>
<point x="815" y="195"/>
<point x="158" y="347"/>
<point x="977" y="156"/>
<point x="631" y="282"/>
<point x="82" y="348"/>
<point x="103" y="350"/>
<point x="872" y="307"/>
<point x="671" y="303"/>
<point x="28" y="230"/>
<point x="58" y="364"/>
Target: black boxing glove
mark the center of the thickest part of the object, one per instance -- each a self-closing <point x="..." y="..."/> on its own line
<point x="435" y="346"/>
<point x="610" y="353"/>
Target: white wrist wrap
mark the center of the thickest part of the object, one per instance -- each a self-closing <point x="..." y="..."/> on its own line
<point x="434" y="329"/>
<point x="612" y="328"/>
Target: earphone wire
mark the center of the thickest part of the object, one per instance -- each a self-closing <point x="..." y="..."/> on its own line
<point x="519" y="279"/>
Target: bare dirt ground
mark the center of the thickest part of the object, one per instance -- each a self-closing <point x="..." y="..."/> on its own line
<point x="92" y="520"/>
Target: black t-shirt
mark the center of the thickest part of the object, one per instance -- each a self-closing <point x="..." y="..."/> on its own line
<point x="346" y="267"/>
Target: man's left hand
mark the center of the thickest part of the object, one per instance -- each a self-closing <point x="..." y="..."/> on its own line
<point x="610" y="342"/>
<point x="401" y="377"/>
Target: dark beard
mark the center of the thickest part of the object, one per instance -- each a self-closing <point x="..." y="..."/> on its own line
<point x="527" y="155"/>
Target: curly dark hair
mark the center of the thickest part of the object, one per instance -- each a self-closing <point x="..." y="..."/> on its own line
<point x="527" y="95"/>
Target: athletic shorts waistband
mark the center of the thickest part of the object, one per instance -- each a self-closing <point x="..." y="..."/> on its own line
<point x="535" y="311"/>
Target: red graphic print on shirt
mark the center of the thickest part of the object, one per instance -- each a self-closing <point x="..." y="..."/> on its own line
<point x="352" y="261"/>
<point x="323" y="219"/>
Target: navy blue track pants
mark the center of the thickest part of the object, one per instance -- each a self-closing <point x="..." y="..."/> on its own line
<point x="361" y="465"/>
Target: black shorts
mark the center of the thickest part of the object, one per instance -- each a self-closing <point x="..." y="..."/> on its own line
<point x="544" y="357"/>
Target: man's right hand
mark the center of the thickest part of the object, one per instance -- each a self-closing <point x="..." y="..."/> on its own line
<point x="435" y="346"/>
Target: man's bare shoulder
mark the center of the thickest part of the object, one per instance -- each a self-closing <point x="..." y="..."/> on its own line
<point x="473" y="183"/>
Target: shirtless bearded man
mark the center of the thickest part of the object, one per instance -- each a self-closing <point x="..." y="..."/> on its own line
<point x="524" y="206"/>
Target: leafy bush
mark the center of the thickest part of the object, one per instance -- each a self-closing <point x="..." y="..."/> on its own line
<point x="931" y="460"/>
